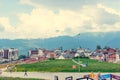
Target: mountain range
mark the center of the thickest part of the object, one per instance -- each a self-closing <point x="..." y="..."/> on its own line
<point x="85" y="40"/>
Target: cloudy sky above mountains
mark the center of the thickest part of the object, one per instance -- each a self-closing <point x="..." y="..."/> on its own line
<point x="51" y="18"/>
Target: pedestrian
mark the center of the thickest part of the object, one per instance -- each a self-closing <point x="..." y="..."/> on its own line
<point x="25" y="74"/>
<point x="15" y="69"/>
<point x="0" y="72"/>
<point x="99" y="74"/>
<point x="7" y="67"/>
<point x="10" y="69"/>
<point x="55" y="77"/>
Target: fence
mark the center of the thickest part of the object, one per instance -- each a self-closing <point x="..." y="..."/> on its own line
<point x="102" y="77"/>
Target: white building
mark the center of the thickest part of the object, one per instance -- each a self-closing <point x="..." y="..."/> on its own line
<point x="87" y="52"/>
<point x="77" y="54"/>
<point x="117" y="57"/>
<point x="9" y="54"/>
<point x="61" y="57"/>
<point x="36" y="53"/>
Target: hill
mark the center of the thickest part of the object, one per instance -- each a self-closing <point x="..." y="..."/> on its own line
<point x="85" y="40"/>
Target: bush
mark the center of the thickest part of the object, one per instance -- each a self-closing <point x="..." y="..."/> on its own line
<point x="81" y="57"/>
<point x="22" y="56"/>
<point x="51" y="58"/>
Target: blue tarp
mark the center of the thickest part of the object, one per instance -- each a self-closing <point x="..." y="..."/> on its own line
<point x="105" y="76"/>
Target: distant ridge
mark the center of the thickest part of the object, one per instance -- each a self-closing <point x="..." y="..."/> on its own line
<point x="85" y="40"/>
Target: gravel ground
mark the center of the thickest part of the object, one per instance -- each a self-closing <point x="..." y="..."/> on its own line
<point x="48" y="75"/>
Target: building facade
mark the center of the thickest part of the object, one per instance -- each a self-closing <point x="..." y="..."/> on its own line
<point x="9" y="54"/>
<point x="33" y="53"/>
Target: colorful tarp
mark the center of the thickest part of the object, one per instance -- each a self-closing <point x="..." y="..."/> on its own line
<point x="105" y="76"/>
<point x="115" y="77"/>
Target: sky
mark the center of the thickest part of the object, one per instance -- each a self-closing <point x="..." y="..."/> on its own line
<point x="31" y="19"/>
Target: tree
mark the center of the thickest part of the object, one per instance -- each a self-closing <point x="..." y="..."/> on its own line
<point x="98" y="47"/>
<point x="106" y="47"/>
<point x="22" y="56"/>
<point x="61" y="48"/>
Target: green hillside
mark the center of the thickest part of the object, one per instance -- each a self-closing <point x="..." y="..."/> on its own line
<point x="66" y="66"/>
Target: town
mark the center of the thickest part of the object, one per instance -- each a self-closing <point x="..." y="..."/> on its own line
<point x="59" y="40"/>
<point x="40" y="54"/>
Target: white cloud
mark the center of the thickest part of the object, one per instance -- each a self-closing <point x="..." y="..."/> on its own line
<point x="42" y="22"/>
<point x="29" y="2"/>
<point x="109" y="10"/>
<point x="4" y="21"/>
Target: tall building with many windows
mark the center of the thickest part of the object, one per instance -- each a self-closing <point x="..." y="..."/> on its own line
<point x="9" y="54"/>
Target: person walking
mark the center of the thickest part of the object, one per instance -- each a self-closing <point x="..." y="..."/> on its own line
<point x="25" y="74"/>
<point x="10" y="69"/>
<point x="0" y="72"/>
<point x="55" y="77"/>
<point x="15" y="69"/>
<point x="99" y="74"/>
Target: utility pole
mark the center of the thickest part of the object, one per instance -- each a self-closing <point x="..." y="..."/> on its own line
<point x="79" y="54"/>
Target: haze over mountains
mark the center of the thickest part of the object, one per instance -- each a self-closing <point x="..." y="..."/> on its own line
<point x="85" y="40"/>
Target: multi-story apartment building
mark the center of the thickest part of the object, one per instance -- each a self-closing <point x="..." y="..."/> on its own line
<point x="9" y="54"/>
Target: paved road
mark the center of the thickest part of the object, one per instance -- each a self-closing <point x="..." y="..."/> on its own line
<point x="46" y="75"/>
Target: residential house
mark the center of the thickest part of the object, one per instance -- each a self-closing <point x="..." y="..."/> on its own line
<point x="69" y="54"/>
<point x="62" y="56"/>
<point x="51" y="54"/>
<point x="98" y="55"/>
<point x="33" y="53"/>
<point x="81" y="52"/>
<point x="118" y="57"/>
<point x="114" y="56"/>
<point x="1" y="55"/>
<point x="77" y="54"/>
<point x="109" y="55"/>
<point x="87" y="52"/>
<point x="58" y="51"/>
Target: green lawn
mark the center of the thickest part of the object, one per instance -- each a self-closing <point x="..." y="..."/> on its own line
<point x="66" y="66"/>
<point x="10" y="78"/>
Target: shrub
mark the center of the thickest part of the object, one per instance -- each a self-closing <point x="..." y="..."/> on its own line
<point x="81" y="57"/>
<point x="51" y="58"/>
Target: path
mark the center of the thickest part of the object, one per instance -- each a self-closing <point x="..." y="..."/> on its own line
<point x="47" y="75"/>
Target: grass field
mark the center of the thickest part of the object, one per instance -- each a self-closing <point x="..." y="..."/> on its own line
<point x="10" y="78"/>
<point x="66" y="66"/>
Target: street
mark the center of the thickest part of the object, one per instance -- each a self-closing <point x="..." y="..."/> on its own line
<point x="47" y="75"/>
